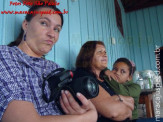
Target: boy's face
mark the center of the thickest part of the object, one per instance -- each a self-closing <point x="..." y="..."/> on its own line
<point x="122" y="72"/>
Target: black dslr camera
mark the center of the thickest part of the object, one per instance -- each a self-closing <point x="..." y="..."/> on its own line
<point x="61" y="79"/>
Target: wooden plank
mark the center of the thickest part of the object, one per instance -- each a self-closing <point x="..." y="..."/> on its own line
<point x="19" y="18"/>
<point x="61" y="51"/>
<point x="112" y="28"/>
<point x="136" y="43"/>
<point x="1" y="21"/>
<point x="90" y="19"/>
<point x="129" y="38"/>
<point x="99" y="26"/>
<point x="103" y="17"/>
<point x="8" y="23"/>
<point x="109" y="45"/>
<point x="117" y="33"/>
<point x="74" y="31"/>
<point x="159" y="10"/>
<point x="108" y="33"/>
<point x="143" y="40"/>
<point x="150" y="41"/>
<point x="155" y="26"/>
<point x="83" y="21"/>
<point x="123" y="39"/>
<point x="95" y="20"/>
<point x="121" y="45"/>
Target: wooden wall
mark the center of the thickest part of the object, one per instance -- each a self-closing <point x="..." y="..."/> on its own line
<point x="89" y="20"/>
<point x="144" y="33"/>
<point x="96" y="20"/>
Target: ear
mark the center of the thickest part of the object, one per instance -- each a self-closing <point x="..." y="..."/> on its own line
<point x="129" y="78"/>
<point x="25" y="25"/>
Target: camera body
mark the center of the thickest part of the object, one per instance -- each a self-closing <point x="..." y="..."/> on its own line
<point x="61" y="79"/>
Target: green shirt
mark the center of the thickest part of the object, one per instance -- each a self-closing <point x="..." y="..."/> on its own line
<point x="126" y="89"/>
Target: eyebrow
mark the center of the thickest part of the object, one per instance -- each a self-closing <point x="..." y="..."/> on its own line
<point x="50" y="21"/>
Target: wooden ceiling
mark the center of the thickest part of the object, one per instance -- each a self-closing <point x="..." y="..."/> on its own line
<point x="132" y="5"/>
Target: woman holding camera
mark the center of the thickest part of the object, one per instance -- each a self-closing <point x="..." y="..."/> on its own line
<point x="22" y="67"/>
<point x="92" y="59"/>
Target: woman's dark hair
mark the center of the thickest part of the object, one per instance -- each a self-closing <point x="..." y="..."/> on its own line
<point x="29" y="16"/>
<point x="131" y="66"/>
<point x="85" y="56"/>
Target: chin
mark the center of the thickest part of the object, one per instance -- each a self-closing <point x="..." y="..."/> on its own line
<point x="105" y="65"/>
<point x="44" y="52"/>
<point x="122" y="82"/>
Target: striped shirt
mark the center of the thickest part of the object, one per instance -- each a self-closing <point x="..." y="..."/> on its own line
<point x="21" y="79"/>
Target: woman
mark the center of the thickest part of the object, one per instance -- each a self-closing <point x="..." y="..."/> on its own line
<point x="124" y="69"/>
<point x="92" y="59"/>
<point x="22" y="68"/>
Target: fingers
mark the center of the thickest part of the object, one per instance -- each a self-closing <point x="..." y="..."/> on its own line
<point x="110" y="78"/>
<point x="63" y="106"/>
<point x="69" y="102"/>
<point x="65" y="102"/>
<point x="111" y="75"/>
<point x="87" y="105"/>
<point x="85" y="102"/>
<point x="114" y="77"/>
<point x="69" y="105"/>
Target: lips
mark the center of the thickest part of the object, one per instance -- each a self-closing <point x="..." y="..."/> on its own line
<point x="49" y="42"/>
<point x="104" y="60"/>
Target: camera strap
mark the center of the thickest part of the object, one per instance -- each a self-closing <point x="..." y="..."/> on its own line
<point x="56" y="91"/>
<point x="43" y="94"/>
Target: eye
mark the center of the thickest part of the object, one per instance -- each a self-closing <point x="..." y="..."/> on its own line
<point x="57" y="29"/>
<point x="122" y="71"/>
<point x="100" y="51"/>
<point x="44" y="23"/>
<point x="114" y="69"/>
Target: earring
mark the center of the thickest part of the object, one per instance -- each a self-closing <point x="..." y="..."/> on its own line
<point x="24" y="37"/>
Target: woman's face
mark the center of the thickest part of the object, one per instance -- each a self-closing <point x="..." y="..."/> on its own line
<point x="42" y="32"/>
<point x="121" y="70"/>
<point x="100" y="58"/>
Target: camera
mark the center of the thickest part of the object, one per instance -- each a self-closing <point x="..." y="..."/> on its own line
<point x="61" y="79"/>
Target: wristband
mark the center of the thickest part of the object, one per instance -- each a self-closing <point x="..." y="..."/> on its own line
<point x="120" y="98"/>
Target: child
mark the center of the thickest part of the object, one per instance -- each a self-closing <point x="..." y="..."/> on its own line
<point x="121" y="83"/>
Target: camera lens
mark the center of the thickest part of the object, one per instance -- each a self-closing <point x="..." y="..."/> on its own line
<point x="91" y="87"/>
<point x="86" y="85"/>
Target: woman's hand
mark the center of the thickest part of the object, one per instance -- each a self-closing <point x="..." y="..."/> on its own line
<point x="24" y="111"/>
<point x="71" y="107"/>
<point x="129" y="101"/>
<point x="111" y="75"/>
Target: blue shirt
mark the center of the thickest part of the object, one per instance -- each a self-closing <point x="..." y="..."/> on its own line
<point x="21" y="79"/>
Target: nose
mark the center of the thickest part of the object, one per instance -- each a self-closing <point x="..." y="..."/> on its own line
<point x="104" y="54"/>
<point x="51" y="33"/>
<point x="117" y="72"/>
